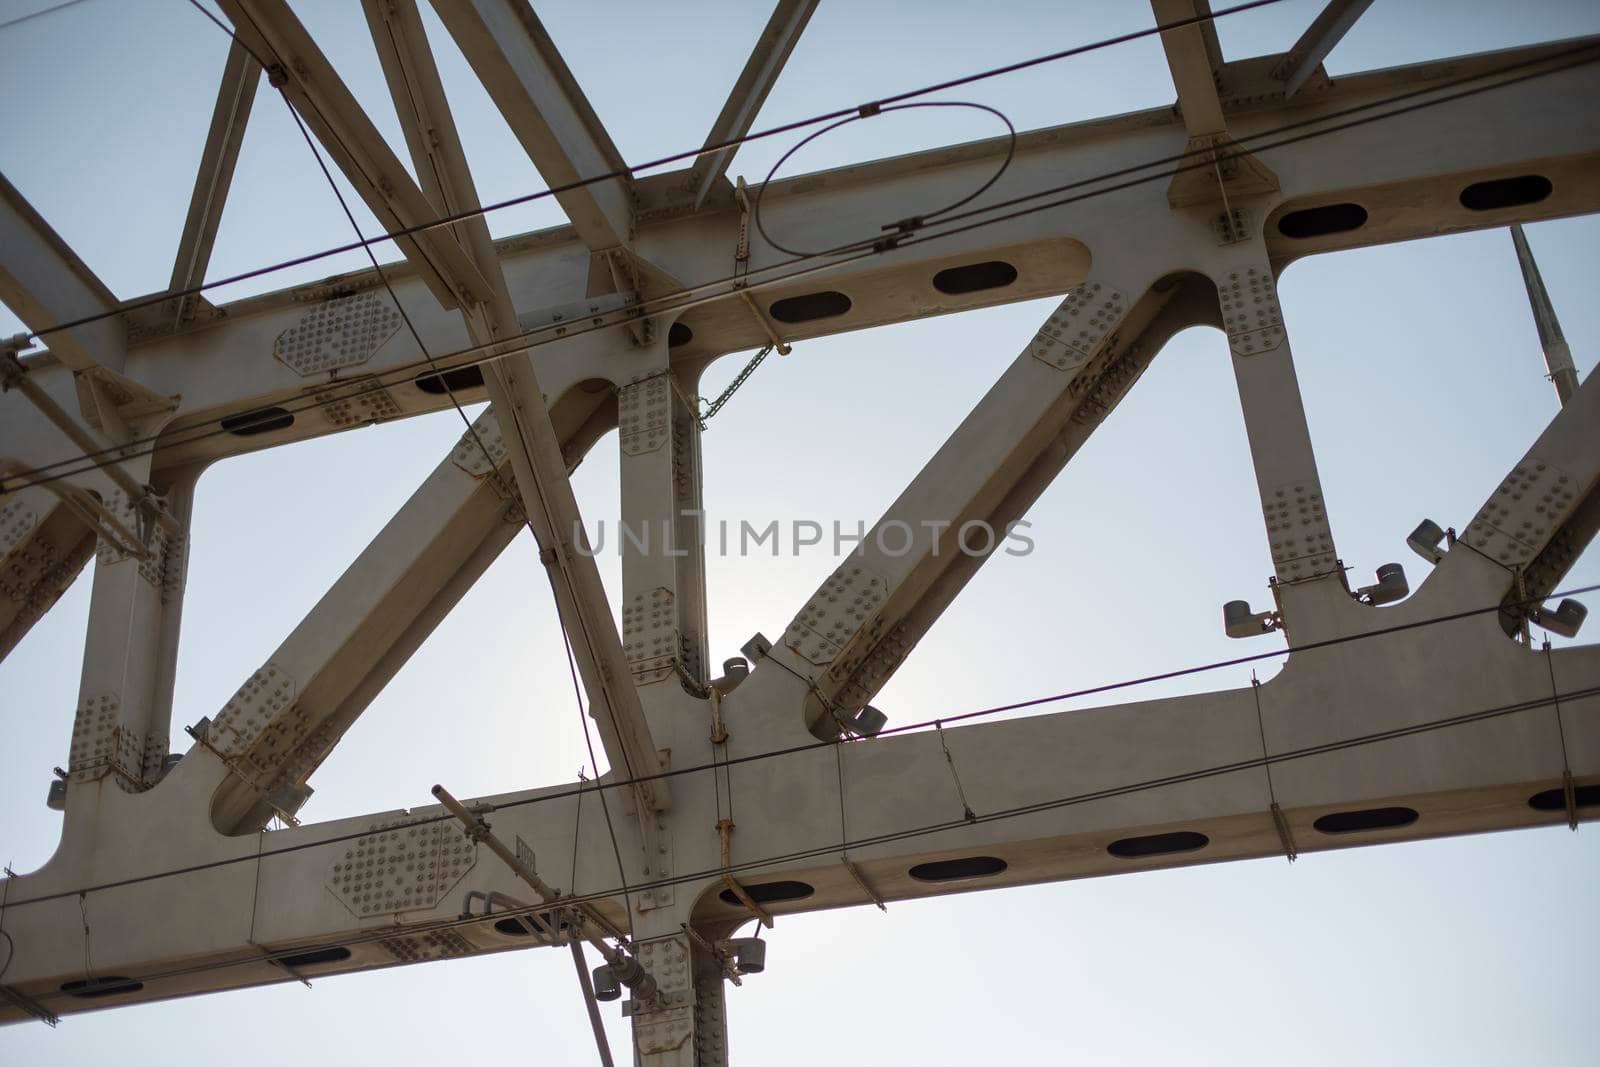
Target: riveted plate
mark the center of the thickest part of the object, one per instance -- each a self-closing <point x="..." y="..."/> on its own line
<point x="1078" y="325"/>
<point x="865" y="673"/>
<point x="401" y="865"/>
<point x="163" y="567"/>
<point x="1250" y="311"/>
<point x="434" y="945"/>
<point x="1297" y="530"/>
<point x="17" y="519"/>
<point x="99" y="743"/>
<point x="1515" y="522"/>
<point x="262" y="698"/>
<point x="343" y="332"/>
<point x="644" y="414"/>
<point x="835" y="612"/>
<point x="156" y="747"/>
<point x="663" y="1031"/>
<point x="33" y="573"/>
<point x="1231" y="227"/>
<point x="484" y="436"/>
<point x="650" y="634"/>
<point x="355" y="402"/>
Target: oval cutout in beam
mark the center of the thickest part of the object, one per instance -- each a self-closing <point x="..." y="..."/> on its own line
<point x="958" y="869"/>
<point x="297" y="960"/>
<point x="450" y="381"/>
<point x="1322" y="221"/>
<point x="1584" y="796"/>
<point x="1365" y="820"/>
<point x="103" y="986"/>
<point x="261" y="420"/>
<point x="514" y="927"/>
<point x="809" y="307"/>
<point x="1158" y="844"/>
<point x="769" y="892"/>
<point x="975" y="277"/>
<point x="678" y="334"/>
<point x="1506" y="192"/>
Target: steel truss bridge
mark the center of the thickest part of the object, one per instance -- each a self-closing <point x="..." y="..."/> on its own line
<point x="1438" y="714"/>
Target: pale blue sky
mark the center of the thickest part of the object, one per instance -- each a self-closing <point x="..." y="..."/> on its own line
<point x="1474" y="950"/>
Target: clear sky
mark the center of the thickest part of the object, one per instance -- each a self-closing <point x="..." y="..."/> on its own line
<point x="1477" y="950"/>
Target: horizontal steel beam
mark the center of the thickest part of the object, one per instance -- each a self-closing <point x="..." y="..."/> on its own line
<point x="1438" y="730"/>
<point x="1403" y="196"/>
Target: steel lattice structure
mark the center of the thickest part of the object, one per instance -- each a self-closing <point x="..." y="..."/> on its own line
<point x="609" y="323"/>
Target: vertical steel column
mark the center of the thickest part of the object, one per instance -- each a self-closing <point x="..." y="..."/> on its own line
<point x="662" y="533"/>
<point x="130" y="654"/>
<point x="1292" y="502"/>
<point x="688" y="1026"/>
<point x="660" y="540"/>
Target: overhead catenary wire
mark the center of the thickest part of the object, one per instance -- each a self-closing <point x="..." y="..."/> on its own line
<point x="594" y="765"/>
<point x="907" y="224"/>
<point x="62" y="5"/>
<point x="755" y="757"/>
<point x="827" y="850"/>
<point x="625" y="172"/>
<point x="688" y="297"/>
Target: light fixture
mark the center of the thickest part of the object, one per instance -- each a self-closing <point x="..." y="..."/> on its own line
<point x="1391" y="586"/>
<point x="1565" y="621"/>
<point x="749" y="954"/>
<point x="734" y="671"/>
<point x="606" y="986"/>
<point x="1424" y="541"/>
<point x="1239" y="621"/>
<point x="867" y="722"/>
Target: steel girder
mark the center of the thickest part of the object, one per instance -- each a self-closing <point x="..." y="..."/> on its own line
<point x="1355" y="725"/>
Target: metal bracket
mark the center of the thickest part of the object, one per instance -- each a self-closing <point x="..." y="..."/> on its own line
<point x="1285" y="837"/>
<point x="855" y="872"/>
<point x="28" y="1005"/>
<point x="725" y="832"/>
<point x="617" y="270"/>
<point x="741" y="194"/>
<point x="1231" y="226"/>
<point x="1214" y="168"/>
<point x="765" y="323"/>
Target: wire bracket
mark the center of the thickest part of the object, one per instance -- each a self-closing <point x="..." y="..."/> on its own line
<point x="725" y="832"/>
